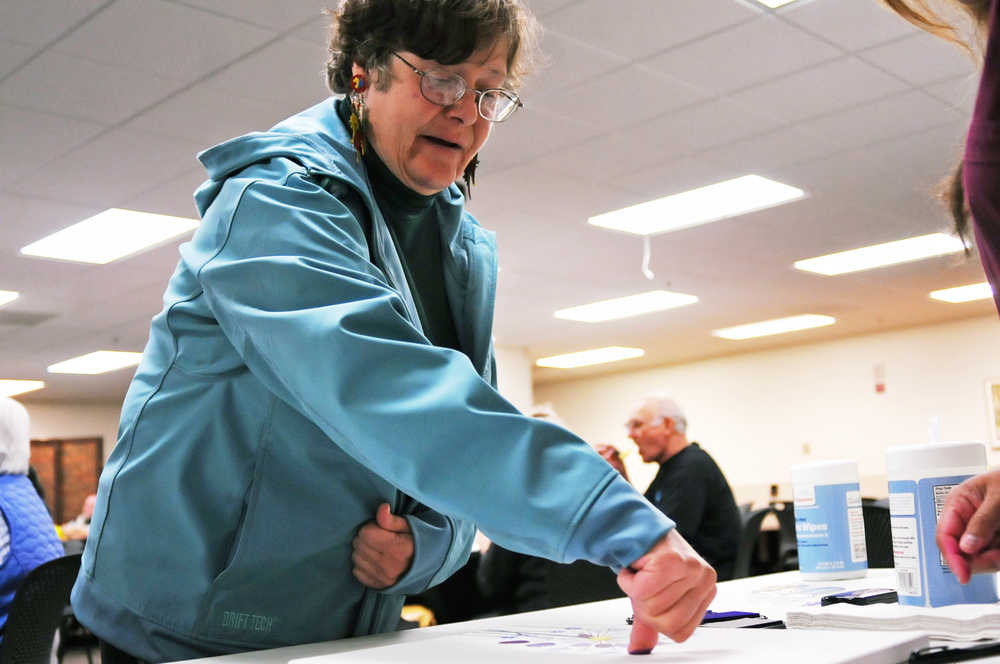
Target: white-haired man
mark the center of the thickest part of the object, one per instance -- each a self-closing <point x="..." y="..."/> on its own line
<point x="689" y="487"/>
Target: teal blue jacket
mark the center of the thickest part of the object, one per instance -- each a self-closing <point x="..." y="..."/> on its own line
<point x="287" y="390"/>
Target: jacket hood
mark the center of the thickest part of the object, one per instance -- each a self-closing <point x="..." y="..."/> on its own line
<point x="315" y="138"/>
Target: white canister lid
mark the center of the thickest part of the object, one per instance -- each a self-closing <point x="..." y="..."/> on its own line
<point x="839" y="471"/>
<point x="905" y="460"/>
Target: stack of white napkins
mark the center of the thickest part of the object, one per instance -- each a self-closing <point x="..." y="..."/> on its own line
<point x="963" y="622"/>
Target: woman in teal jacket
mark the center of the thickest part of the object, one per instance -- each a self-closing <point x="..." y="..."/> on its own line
<point x="324" y="350"/>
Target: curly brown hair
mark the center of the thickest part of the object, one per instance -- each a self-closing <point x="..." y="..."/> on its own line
<point x="951" y="191"/>
<point x="446" y="31"/>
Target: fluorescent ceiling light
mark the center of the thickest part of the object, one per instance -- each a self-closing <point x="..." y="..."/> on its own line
<point x="776" y="326"/>
<point x="588" y="357"/>
<point x="623" y="307"/>
<point x="774" y="4"/>
<point x="699" y="206"/>
<point x="10" y="387"/>
<point x="110" y="235"/>
<point x="879" y="255"/>
<point x="101" y="361"/>
<point x="980" y="291"/>
<point x="8" y="296"/>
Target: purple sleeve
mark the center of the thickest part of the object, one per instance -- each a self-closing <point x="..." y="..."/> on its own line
<point x="981" y="166"/>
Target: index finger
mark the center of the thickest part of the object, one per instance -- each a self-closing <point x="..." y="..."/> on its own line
<point x="953" y="556"/>
<point x="643" y="637"/>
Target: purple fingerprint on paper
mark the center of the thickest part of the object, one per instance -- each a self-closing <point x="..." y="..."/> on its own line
<point x="540" y="645"/>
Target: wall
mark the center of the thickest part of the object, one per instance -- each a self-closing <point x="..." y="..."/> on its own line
<point x="514" y="375"/>
<point x="760" y="413"/>
<point x="70" y="420"/>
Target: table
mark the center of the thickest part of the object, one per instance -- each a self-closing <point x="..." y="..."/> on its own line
<point x="771" y="594"/>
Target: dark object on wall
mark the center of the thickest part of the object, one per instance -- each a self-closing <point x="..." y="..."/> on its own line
<point x="68" y="469"/>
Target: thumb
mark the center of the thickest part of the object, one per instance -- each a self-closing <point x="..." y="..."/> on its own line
<point x="643" y="637"/>
<point x="388" y="521"/>
<point x="983" y="525"/>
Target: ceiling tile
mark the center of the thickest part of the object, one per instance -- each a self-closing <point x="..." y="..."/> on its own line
<point x="29" y="139"/>
<point x="162" y="38"/>
<point x="567" y="62"/>
<point x="654" y="26"/>
<point x="314" y="32"/>
<point x="110" y="169"/>
<point x="543" y="7"/>
<point x="622" y="152"/>
<point x="514" y="203"/>
<point x="710" y="124"/>
<point x="289" y="70"/>
<point x="77" y="88"/>
<point x="38" y="22"/>
<point x="649" y="93"/>
<point x="768" y="48"/>
<point x="266" y="13"/>
<point x="959" y="92"/>
<point x="207" y="114"/>
<point x="174" y="197"/>
<point x="530" y="134"/>
<point x="13" y="56"/>
<point x="920" y="59"/>
<point x="819" y="90"/>
<point x="921" y="163"/>
<point x="763" y="153"/>
<point x="850" y="24"/>
<point x="901" y="114"/>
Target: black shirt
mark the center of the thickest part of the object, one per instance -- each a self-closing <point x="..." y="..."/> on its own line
<point x="416" y="234"/>
<point x="691" y="489"/>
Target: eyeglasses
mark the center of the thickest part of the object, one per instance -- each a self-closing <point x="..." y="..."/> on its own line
<point x="634" y="424"/>
<point x="445" y="88"/>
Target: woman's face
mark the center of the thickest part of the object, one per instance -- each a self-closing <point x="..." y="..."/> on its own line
<point x="425" y="145"/>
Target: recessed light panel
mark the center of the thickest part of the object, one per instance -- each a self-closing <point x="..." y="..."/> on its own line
<point x="587" y="357"/>
<point x="699" y="206"/>
<point x="98" y="362"/>
<point x="980" y="291"/>
<point x="775" y="326"/>
<point x="110" y="235"/>
<point x="623" y="307"/>
<point x="9" y="387"/>
<point x="880" y="255"/>
<point x="774" y="4"/>
<point x="7" y="296"/>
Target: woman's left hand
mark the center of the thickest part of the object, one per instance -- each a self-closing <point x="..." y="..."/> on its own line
<point x="383" y="549"/>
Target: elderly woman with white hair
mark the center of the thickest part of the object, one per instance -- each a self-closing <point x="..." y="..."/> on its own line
<point x="27" y="535"/>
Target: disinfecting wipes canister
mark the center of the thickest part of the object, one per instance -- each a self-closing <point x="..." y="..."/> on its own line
<point x="829" y="525"/>
<point x="920" y="478"/>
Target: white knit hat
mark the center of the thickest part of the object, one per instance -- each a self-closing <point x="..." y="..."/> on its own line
<point x="15" y="446"/>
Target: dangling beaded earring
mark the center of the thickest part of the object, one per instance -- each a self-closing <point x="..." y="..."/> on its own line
<point x="470" y="174"/>
<point x="357" y="119"/>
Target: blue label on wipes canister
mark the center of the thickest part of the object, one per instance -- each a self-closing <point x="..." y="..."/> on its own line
<point x="829" y="528"/>
<point x="923" y="577"/>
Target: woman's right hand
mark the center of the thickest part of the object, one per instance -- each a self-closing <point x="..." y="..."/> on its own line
<point x="968" y="531"/>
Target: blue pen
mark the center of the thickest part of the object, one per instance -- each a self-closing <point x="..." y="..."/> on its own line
<point x="715" y="616"/>
<point x="721" y="616"/>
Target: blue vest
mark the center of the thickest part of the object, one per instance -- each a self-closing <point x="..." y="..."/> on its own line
<point x="33" y="538"/>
